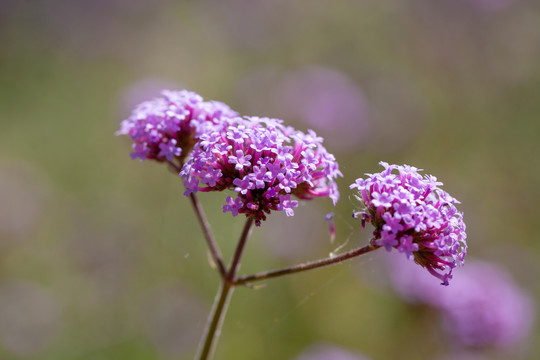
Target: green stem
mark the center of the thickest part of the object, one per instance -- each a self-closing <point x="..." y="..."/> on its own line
<point x="215" y="320"/>
<point x="221" y="301"/>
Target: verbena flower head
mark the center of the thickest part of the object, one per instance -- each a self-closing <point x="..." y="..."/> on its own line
<point x="264" y="163"/>
<point x="414" y="215"/>
<point x="483" y="307"/>
<point x="166" y="128"/>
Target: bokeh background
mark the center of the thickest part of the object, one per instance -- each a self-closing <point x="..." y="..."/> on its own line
<point x="101" y="256"/>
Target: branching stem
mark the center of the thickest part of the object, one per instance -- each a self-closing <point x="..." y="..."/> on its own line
<point x="305" y="266"/>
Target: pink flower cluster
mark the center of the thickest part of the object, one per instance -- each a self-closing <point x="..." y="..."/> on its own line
<point x="260" y="159"/>
<point x="264" y="163"/>
<point x="167" y="127"/>
<point x="414" y="215"/>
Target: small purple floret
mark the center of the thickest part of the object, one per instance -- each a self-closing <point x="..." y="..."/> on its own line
<point x="169" y="150"/>
<point x="233" y="205"/>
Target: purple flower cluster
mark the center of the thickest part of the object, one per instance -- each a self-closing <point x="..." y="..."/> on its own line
<point x="264" y="163"/>
<point x="167" y="128"/>
<point x="487" y="308"/>
<point x="412" y="214"/>
<point x="329" y="352"/>
<point x="483" y="307"/>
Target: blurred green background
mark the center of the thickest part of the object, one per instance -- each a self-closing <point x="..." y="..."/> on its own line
<point x="101" y="256"/>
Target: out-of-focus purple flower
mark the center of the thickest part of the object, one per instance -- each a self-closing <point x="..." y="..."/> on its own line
<point x="264" y="162"/>
<point x="328" y="101"/>
<point x="325" y="99"/>
<point x="487" y="308"/>
<point x="483" y="307"/>
<point x="412" y="214"/>
<point x="329" y="352"/>
<point x="167" y="127"/>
